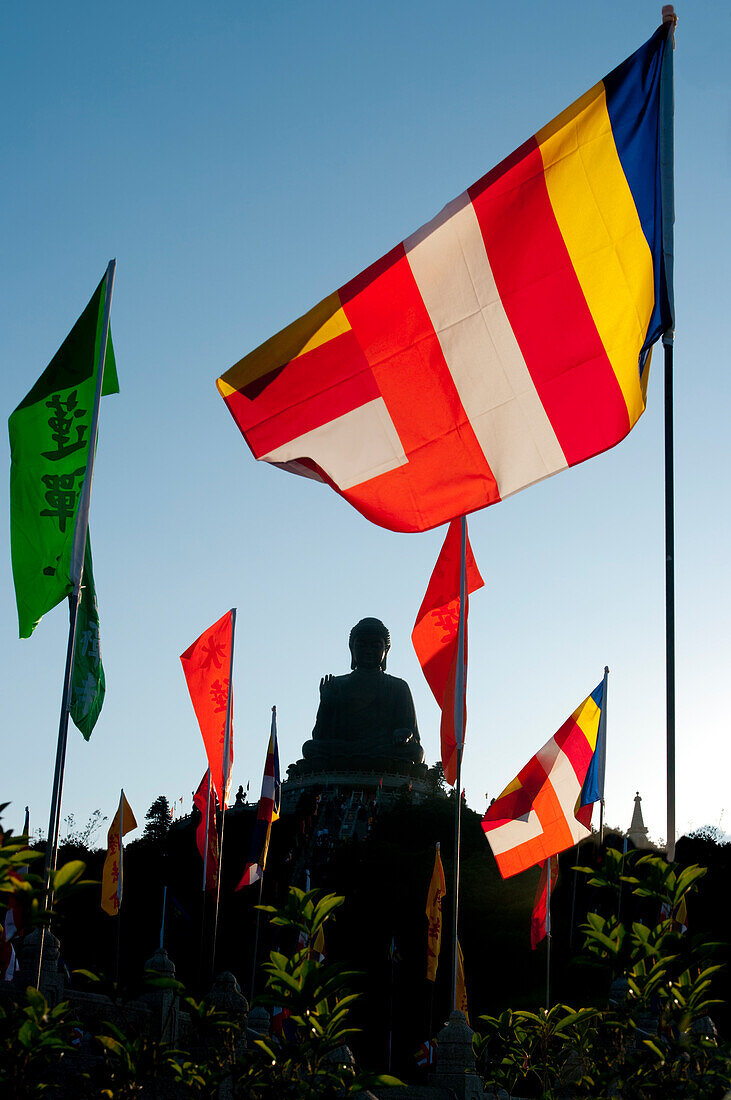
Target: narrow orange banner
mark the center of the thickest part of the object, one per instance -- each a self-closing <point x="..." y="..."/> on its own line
<point x="434" y="636"/>
<point x="207" y="667"/>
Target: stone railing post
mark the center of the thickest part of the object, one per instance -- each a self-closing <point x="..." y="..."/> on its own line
<point x="162" y="1002"/>
<point x="455" y="1068"/>
<point x="226" y="996"/>
<point x="52" y="979"/>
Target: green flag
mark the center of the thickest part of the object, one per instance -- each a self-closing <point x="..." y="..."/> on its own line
<point x="88" y="685"/>
<point x="49" y="450"/>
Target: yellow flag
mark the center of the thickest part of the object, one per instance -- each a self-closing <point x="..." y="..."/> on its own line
<point x="318" y="944"/>
<point x="461" y="988"/>
<point x="437" y="890"/>
<point x="124" y="822"/>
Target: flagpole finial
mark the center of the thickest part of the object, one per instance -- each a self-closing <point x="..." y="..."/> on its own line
<point x="670" y="20"/>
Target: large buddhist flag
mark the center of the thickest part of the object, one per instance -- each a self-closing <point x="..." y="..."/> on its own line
<point x="267" y="812"/>
<point x="49" y="446"/>
<point x="540" y="814"/>
<point x="123" y="823"/>
<point x="207" y="667"/>
<point x="435" y="636"/>
<point x="206" y="835"/>
<point x="504" y="341"/>
<point x="437" y="890"/>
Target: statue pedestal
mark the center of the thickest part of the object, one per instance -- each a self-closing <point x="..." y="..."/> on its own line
<point x="384" y="788"/>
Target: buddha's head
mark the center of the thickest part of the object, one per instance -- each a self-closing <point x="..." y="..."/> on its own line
<point x="369" y="645"/>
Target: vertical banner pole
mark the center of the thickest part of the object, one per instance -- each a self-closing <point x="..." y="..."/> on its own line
<point x="602" y="741"/>
<point x="548" y="933"/>
<point x="459" y="694"/>
<point x="119" y="887"/>
<point x="667" y="185"/>
<point x="669" y="596"/>
<point x="573" y="899"/>
<point x="77" y="571"/>
<point x="256" y="941"/>
<point x="208" y="819"/>
<point x="201" y="954"/>
<point x="162" y="922"/>
<point x="390" y="1005"/>
<point x="226" y="784"/>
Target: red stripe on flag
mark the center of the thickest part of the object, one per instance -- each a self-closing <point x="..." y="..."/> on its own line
<point x="572" y="740"/>
<point x="310" y="391"/>
<point x="391" y="323"/>
<point x="546" y="308"/>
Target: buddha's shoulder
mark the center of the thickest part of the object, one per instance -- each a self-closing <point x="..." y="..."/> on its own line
<point x="396" y="683"/>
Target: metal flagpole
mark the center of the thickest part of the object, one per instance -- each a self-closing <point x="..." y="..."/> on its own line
<point x="205" y="870"/>
<point x="226" y="783"/>
<point x="119" y="886"/>
<point x="208" y="819"/>
<point x="77" y="572"/>
<point x="602" y="742"/>
<point x="573" y="899"/>
<point x="256" y="937"/>
<point x="548" y="933"/>
<point x="459" y="691"/>
<point x="162" y="923"/>
<point x="667" y="189"/>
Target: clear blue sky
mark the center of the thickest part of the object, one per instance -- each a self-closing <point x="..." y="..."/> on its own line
<point x="241" y="161"/>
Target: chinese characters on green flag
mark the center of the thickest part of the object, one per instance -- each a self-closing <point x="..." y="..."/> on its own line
<point x="88" y="685"/>
<point x="49" y="445"/>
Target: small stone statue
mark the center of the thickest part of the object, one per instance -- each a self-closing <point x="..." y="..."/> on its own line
<point x="239" y="800"/>
<point x="366" y="719"/>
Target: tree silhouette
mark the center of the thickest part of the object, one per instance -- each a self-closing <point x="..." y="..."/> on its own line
<point x="157" y="821"/>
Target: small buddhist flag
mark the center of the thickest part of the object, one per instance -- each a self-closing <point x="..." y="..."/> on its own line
<point x="123" y="823"/>
<point x="539" y="814"/>
<point x="207" y="667"/>
<point x="49" y="447"/>
<point x="437" y="890"/>
<point x="435" y="635"/>
<point x="267" y="812"/>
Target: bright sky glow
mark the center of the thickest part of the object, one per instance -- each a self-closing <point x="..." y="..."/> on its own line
<point x="241" y="161"/>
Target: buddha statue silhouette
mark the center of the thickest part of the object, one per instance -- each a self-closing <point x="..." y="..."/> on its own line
<point x="366" y="719"/>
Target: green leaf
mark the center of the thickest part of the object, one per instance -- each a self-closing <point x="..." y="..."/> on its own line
<point x="88" y="974"/>
<point x="68" y="874"/>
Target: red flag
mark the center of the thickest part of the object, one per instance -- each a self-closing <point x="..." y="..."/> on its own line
<point x="539" y="916"/>
<point x="207" y="668"/>
<point x="200" y="799"/>
<point x="435" y="635"/>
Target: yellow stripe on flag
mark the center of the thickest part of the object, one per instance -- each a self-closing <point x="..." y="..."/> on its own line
<point x="598" y="220"/>
<point x="587" y="719"/>
<point x="324" y="322"/>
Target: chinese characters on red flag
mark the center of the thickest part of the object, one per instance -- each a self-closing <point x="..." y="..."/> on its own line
<point x="207" y="667"/>
<point x="435" y="635"/>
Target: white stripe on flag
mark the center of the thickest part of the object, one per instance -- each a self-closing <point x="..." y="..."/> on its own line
<point x="452" y="271"/>
<point x="267" y="787"/>
<point x="351" y="449"/>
